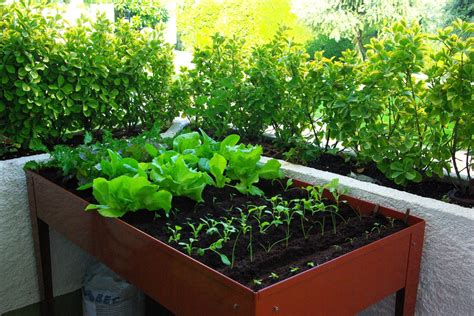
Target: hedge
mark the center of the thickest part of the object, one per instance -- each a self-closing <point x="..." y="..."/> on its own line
<point x="408" y="107"/>
<point x="58" y="78"/>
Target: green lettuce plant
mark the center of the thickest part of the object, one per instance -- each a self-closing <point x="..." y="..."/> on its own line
<point x="125" y="194"/>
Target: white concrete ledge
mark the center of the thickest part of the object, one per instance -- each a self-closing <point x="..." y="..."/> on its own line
<point x="447" y="270"/>
<point x="18" y="280"/>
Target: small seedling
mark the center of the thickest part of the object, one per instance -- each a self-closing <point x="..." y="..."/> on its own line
<point x="310" y="264"/>
<point x="196" y="229"/>
<point x="351" y="240"/>
<point x="337" y="247"/>
<point x="274" y="276"/>
<point x="257" y="281"/>
<point x="175" y="234"/>
<point x="377" y="228"/>
<point x="391" y="220"/>
<point x="294" y="269"/>
<point x="188" y="246"/>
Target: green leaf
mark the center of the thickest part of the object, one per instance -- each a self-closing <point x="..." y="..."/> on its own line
<point x="270" y="170"/>
<point x="151" y="150"/>
<point x="225" y="260"/>
<point x="60" y="80"/>
<point x="230" y="141"/>
<point x="186" y="141"/>
<point x="11" y="69"/>
<point x="217" y="166"/>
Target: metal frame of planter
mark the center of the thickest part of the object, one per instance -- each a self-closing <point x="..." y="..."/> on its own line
<point x="342" y="286"/>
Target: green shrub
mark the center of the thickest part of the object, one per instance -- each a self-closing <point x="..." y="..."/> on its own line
<point x="216" y="84"/>
<point x="59" y="79"/>
<point x="142" y="13"/>
<point x="329" y="46"/>
<point x="249" y="91"/>
<point x="277" y="98"/>
<point x="450" y="98"/>
<point x="407" y="107"/>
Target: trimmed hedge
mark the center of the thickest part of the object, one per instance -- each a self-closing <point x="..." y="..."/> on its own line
<point x="58" y="79"/>
<point x="408" y="107"/>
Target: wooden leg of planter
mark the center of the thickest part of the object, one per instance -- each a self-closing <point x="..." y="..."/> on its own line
<point x="43" y="255"/>
<point x="406" y="297"/>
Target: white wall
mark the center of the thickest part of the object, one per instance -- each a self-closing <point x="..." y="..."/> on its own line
<point x="447" y="269"/>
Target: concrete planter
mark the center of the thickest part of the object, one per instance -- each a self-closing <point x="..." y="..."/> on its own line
<point x="447" y="269"/>
<point x="18" y="278"/>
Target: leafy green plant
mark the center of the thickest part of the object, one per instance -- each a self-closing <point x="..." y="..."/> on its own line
<point x="126" y="194"/>
<point x="175" y="234"/>
<point x="58" y="79"/>
<point x="170" y="171"/>
<point x="257" y="281"/>
<point x="244" y="165"/>
<point x="141" y="13"/>
<point x="450" y="77"/>
<point x="294" y="270"/>
<point x="215" y="247"/>
<point x="188" y="246"/>
<point x="196" y="229"/>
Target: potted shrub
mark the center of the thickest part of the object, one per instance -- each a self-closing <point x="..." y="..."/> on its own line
<point x="205" y="228"/>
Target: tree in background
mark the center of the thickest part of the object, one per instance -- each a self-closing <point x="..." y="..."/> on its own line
<point x="462" y="9"/>
<point x="351" y="19"/>
<point x="255" y="20"/>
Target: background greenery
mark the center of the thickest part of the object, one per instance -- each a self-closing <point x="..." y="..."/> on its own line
<point x="408" y="106"/>
<point x="58" y="79"/>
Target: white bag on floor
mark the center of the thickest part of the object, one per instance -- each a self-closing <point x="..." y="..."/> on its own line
<point x="104" y="293"/>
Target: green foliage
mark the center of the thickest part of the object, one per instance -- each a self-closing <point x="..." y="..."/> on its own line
<point x="330" y="46"/>
<point x="250" y="91"/>
<point x="407" y="106"/>
<point x="58" y="79"/>
<point x="256" y="21"/>
<point x="126" y="194"/>
<point x="451" y="96"/>
<point x="172" y="172"/>
<point x="217" y="84"/>
<point x="458" y="9"/>
<point x="140" y="12"/>
<point x="195" y="161"/>
<point x="359" y="18"/>
<point x="84" y="162"/>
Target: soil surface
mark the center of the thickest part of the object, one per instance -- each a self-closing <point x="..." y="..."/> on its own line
<point x="260" y="259"/>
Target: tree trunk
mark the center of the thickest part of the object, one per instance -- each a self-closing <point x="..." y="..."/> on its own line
<point x="359" y="44"/>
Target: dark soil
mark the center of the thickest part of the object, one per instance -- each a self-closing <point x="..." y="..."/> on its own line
<point x="323" y="244"/>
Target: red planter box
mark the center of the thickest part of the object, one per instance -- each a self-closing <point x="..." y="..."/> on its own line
<point x="343" y="286"/>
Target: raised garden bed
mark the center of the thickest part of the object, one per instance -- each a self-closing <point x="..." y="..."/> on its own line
<point x="350" y="281"/>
